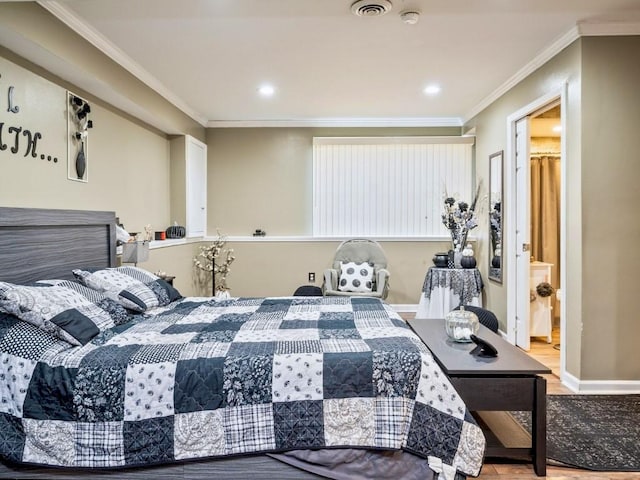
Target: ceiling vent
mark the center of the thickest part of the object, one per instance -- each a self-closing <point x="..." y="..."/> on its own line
<point x="370" y="8"/>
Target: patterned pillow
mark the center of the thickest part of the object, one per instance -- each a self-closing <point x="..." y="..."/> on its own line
<point x="117" y="312"/>
<point x="56" y="309"/>
<point x="132" y="287"/>
<point x="356" y="277"/>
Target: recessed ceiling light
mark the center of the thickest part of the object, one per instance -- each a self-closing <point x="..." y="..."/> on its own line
<point x="266" y="90"/>
<point x="557" y="128"/>
<point x="432" y="89"/>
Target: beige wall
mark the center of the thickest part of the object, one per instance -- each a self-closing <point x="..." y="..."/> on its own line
<point x="128" y="165"/>
<point x="602" y="74"/>
<point x="610" y="194"/>
<point x="262" y="178"/>
<point x="491" y="136"/>
<point x="270" y="268"/>
<point x="259" y="178"/>
<point x="128" y="159"/>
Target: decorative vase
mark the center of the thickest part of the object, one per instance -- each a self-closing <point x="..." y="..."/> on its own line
<point x="451" y="259"/>
<point x="175" y="231"/>
<point x="440" y="259"/>
<point x="457" y="259"/>
<point x="468" y="261"/>
<point x="81" y="162"/>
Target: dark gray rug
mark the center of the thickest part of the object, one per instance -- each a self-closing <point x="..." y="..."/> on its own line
<point x="592" y="432"/>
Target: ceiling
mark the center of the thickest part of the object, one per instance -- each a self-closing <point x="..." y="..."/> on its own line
<point x="328" y="66"/>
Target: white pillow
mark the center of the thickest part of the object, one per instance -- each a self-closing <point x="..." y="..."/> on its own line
<point x="356" y="277"/>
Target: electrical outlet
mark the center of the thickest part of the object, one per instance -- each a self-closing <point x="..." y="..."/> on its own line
<point x="312" y="276"/>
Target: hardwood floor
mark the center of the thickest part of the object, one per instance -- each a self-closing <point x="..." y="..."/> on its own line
<point x="546" y="354"/>
<point x="494" y="471"/>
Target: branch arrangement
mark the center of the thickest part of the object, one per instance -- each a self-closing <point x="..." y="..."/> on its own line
<point x="208" y="260"/>
<point x="459" y="217"/>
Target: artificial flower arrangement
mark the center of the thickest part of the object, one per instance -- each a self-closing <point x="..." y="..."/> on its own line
<point x="207" y="261"/>
<point x="460" y="217"/>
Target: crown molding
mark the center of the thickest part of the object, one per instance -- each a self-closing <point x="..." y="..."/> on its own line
<point x="539" y="60"/>
<point x="91" y="35"/>
<point x="341" y="122"/>
<point x="95" y="38"/>
<point x="580" y="30"/>
<point x="77" y="24"/>
<point x="587" y="29"/>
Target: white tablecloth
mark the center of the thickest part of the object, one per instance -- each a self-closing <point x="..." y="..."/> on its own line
<point x="446" y="288"/>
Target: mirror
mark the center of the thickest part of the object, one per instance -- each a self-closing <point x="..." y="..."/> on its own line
<point x="495" y="216"/>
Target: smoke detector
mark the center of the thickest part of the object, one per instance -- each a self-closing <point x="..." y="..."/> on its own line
<point x="370" y="8"/>
<point x="410" y="17"/>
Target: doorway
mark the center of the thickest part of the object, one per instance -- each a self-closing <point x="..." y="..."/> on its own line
<point x="545" y="160"/>
<point x="535" y="185"/>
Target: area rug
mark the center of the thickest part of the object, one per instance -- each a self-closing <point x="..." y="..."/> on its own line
<point x="592" y="432"/>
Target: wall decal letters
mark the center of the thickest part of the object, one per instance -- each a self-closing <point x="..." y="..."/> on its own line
<point x="31" y="142"/>
<point x="17" y="131"/>
<point x="12" y="108"/>
<point x="3" y="146"/>
<point x="23" y="139"/>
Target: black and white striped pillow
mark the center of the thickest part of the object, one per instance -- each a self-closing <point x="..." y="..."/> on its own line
<point x="132" y="287"/>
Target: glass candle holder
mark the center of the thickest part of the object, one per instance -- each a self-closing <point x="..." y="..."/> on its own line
<point x="461" y="324"/>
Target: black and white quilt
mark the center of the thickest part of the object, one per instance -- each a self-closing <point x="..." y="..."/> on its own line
<point x="207" y="378"/>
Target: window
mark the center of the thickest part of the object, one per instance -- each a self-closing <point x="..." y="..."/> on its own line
<point x="387" y="186"/>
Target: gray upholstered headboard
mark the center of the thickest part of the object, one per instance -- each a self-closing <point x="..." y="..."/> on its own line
<point x="37" y="244"/>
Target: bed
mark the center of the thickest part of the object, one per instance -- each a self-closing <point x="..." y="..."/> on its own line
<point x="290" y="387"/>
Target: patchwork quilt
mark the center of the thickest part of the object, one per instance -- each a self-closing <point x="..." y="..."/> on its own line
<point x="206" y="378"/>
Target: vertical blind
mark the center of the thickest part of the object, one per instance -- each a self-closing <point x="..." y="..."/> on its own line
<point x="387" y="186"/>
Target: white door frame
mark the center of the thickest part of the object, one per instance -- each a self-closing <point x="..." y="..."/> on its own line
<point x="521" y="205"/>
<point x="510" y="239"/>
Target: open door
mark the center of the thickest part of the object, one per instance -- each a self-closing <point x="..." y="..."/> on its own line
<point x="518" y="231"/>
<point x="523" y="232"/>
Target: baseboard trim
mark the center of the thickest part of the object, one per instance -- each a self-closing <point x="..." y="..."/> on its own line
<point x="601" y="387"/>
